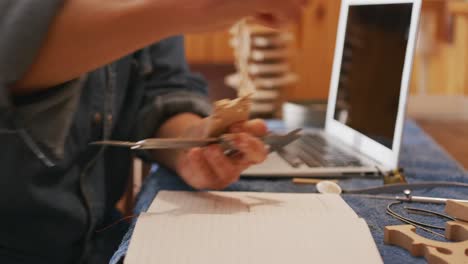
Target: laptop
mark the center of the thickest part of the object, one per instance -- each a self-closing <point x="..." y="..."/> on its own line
<point x="367" y="100"/>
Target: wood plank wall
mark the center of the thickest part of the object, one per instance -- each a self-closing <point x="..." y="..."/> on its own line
<point x="441" y="57"/>
<point x="315" y="41"/>
<point x="209" y="48"/>
<point x="316" y="36"/>
<point x="459" y="11"/>
<point x="441" y="62"/>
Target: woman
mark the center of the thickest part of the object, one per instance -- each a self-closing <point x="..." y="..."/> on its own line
<point x="76" y="71"/>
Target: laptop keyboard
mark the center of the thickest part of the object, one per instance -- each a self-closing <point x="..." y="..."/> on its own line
<point x="314" y="150"/>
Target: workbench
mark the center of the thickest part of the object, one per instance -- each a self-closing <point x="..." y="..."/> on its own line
<point x="421" y="158"/>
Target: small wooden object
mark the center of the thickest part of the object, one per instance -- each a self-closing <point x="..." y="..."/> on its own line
<point x="435" y="252"/>
<point x="456" y="231"/>
<point x="309" y="181"/>
<point x="227" y="112"/>
<point x="457" y="209"/>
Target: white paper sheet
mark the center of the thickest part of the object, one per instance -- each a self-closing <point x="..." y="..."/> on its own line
<point x="220" y="227"/>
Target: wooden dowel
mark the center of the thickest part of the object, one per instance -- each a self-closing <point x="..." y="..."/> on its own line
<point x="309" y="181"/>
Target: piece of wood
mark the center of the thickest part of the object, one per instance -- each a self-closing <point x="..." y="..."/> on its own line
<point x="277" y="68"/>
<point x="456" y="231"/>
<point x="309" y="181"/>
<point x="261" y="55"/>
<point x="458" y="7"/>
<point x="275" y="41"/>
<point x="451" y="135"/>
<point x="435" y="252"/>
<point x="315" y="34"/>
<point x="257" y="29"/>
<point x="264" y="83"/>
<point x="458" y="210"/>
<point x="227" y="112"/>
<point x="442" y="19"/>
<point x="208" y="48"/>
<point x="440" y="64"/>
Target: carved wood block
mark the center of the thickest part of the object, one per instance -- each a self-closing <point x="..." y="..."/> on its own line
<point x="435" y="252"/>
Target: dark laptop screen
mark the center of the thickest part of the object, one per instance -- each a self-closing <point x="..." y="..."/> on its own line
<point x="372" y="68"/>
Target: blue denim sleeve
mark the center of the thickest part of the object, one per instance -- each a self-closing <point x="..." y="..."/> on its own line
<point x="170" y="87"/>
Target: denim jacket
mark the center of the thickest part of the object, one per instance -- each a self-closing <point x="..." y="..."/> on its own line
<point x="56" y="188"/>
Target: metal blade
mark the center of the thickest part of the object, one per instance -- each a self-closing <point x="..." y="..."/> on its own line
<point x="278" y="142"/>
<point x="115" y="143"/>
<point x="159" y="143"/>
<point x="275" y="141"/>
<point x="175" y="143"/>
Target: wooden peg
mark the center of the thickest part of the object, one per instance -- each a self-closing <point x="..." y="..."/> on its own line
<point x="309" y="181"/>
<point x="458" y="210"/>
<point x="435" y="252"/>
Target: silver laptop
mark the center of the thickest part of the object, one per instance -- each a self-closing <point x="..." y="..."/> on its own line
<point x="368" y="94"/>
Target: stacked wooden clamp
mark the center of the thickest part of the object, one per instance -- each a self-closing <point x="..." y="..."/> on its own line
<point x="263" y="67"/>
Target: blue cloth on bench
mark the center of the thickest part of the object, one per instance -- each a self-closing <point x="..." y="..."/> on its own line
<point x="421" y="157"/>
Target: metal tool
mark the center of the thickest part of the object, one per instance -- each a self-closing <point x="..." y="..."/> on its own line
<point x="278" y="142"/>
<point x="274" y="141"/>
<point x="330" y="187"/>
<point x="160" y="143"/>
<point x="421" y="225"/>
<point x="400" y="187"/>
<point x="410" y="198"/>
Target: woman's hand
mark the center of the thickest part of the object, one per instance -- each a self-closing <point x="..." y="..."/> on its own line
<point x="210" y="168"/>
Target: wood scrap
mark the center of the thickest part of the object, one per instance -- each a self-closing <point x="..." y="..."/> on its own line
<point x="227" y="112"/>
<point x="435" y="252"/>
<point x="310" y="181"/>
<point x="456" y="231"/>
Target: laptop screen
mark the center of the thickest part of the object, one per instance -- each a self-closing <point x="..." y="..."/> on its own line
<point x="372" y="68"/>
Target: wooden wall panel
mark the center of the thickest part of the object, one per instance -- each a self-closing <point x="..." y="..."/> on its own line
<point x="460" y="11"/>
<point x="315" y="42"/>
<point x="441" y="59"/>
<point x="440" y="65"/>
<point x="313" y="61"/>
<point x="209" y="48"/>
